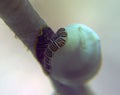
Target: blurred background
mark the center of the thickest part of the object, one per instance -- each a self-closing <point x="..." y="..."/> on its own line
<point x="20" y="74"/>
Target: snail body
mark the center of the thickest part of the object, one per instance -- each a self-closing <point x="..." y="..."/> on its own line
<point x="79" y="59"/>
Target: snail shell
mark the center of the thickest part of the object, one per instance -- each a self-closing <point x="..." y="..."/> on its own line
<point x="79" y="59"/>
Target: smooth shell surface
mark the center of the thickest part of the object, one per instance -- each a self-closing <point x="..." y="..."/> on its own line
<point x="79" y="59"/>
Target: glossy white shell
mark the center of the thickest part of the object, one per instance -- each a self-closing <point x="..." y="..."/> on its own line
<point x="79" y="59"/>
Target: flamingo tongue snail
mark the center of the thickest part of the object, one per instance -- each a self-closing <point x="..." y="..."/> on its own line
<point x="72" y="55"/>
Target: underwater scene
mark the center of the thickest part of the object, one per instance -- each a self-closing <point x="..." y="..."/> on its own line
<point x="59" y="47"/>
